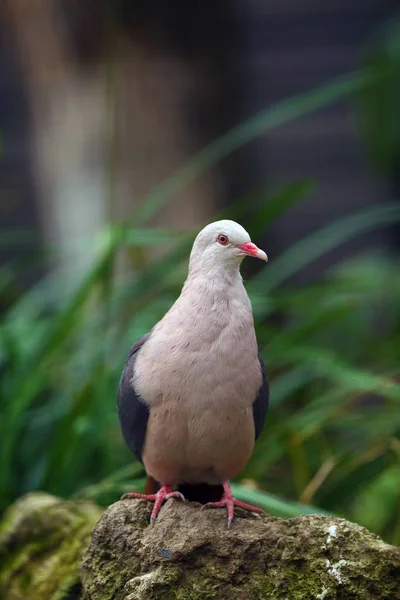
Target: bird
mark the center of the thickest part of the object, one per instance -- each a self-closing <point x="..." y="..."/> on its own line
<point x="193" y="395"/>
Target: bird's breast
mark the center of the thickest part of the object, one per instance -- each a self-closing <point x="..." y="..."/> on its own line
<point x="211" y="358"/>
<point x="199" y="373"/>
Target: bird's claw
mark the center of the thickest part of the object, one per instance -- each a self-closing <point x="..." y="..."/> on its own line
<point x="130" y="495"/>
<point x="179" y="495"/>
<point x="230" y="502"/>
<point x="159" y="498"/>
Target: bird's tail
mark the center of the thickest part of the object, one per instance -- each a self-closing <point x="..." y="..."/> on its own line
<point x="201" y="492"/>
<point x="152" y="486"/>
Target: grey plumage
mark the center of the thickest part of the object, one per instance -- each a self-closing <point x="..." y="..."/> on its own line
<point x="132" y="410"/>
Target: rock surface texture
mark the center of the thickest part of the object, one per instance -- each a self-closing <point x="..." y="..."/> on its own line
<point x="191" y="555"/>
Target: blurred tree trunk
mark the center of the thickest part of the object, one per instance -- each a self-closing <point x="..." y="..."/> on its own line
<point x="68" y="112"/>
<point x="108" y="125"/>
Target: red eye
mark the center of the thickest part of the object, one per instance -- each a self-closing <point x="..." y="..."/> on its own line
<point x="223" y="239"/>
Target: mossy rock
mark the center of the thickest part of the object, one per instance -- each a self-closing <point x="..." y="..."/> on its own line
<point x="187" y="555"/>
<point x="41" y="543"/>
<point x="191" y="555"/>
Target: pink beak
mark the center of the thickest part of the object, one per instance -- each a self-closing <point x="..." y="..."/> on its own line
<point x="252" y="250"/>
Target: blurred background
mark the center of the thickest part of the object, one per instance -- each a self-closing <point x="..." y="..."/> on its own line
<point x="126" y="127"/>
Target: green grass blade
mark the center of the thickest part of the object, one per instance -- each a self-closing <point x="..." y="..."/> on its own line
<point x="310" y="248"/>
<point x="272" y="504"/>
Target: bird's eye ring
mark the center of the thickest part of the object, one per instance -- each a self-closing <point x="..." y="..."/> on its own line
<point x="223" y="239"/>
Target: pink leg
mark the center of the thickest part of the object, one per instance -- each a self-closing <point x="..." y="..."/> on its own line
<point x="230" y="502"/>
<point x="162" y="495"/>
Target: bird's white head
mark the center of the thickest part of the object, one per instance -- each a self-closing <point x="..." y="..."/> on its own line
<point x="224" y="243"/>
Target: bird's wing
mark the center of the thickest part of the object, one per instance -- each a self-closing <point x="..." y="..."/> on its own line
<point x="260" y="404"/>
<point x="132" y="409"/>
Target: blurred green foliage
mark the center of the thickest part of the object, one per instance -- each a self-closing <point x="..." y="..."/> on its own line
<point x="331" y="442"/>
<point x="379" y="106"/>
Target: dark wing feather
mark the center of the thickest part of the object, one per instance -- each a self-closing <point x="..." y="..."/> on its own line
<point x="260" y="404"/>
<point x="132" y="410"/>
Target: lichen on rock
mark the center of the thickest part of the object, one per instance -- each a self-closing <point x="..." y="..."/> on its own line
<point x="191" y="555"/>
<point x="41" y="543"/>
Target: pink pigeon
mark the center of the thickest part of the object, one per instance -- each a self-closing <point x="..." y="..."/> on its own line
<point x="193" y="396"/>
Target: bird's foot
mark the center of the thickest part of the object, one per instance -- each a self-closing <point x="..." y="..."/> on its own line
<point x="230" y="502"/>
<point x="159" y="498"/>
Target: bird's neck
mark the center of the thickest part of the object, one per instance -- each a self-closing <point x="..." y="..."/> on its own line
<point x="215" y="277"/>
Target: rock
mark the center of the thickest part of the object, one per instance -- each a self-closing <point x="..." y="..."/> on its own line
<point x="41" y="543"/>
<point x="191" y="555"/>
